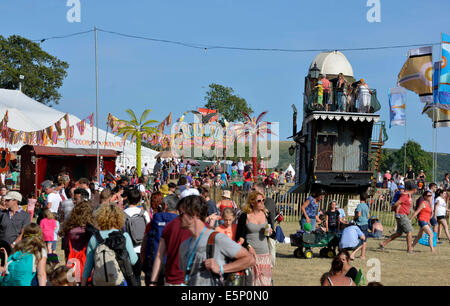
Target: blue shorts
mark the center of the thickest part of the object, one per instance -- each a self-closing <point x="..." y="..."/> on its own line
<point x="365" y="229"/>
<point x="433" y="221"/>
<point x="423" y="223"/>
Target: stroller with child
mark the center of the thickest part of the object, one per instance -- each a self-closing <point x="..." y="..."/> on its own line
<point x="306" y="240"/>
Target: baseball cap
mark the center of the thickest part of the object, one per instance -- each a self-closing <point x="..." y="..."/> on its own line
<point x="46" y="184"/>
<point x="13" y="195"/>
<point x="189" y="192"/>
<point x="401" y="187"/>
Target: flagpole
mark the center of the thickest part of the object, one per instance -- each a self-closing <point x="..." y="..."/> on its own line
<point x="96" y="104"/>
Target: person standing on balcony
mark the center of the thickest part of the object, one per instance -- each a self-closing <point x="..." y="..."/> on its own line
<point x="341" y="100"/>
<point x="326" y="90"/>
<point x="364" y="96"/>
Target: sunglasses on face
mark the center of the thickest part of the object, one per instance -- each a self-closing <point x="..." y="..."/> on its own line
<point x="260" y="201"/>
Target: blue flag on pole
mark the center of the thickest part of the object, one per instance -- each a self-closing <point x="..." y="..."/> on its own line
<point x="444" y="80"/>
<point x="397" y="105"/>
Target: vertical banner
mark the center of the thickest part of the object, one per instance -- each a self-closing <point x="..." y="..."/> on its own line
<point x="397" y="105"/>
<point x="444" y="78"/>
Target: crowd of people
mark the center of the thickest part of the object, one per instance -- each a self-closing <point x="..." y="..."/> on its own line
<point x="128" y="230"/>
<point x="429" y="208"/>
<point x="340" y="95"/>
<point x="119" y="231"/>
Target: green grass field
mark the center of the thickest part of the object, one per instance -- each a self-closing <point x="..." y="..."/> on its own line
<point x="397" y="267"/>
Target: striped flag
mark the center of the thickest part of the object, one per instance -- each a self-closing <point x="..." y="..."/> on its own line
<point x="417" y="73"/>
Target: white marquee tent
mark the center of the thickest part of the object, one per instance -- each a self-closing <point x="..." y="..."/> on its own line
<point x="290" y="168"/>
<point x="28" y="115"/>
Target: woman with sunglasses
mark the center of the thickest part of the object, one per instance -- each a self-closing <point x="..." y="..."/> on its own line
<point x="423" y="213"/>
<point x="251" y="232"/>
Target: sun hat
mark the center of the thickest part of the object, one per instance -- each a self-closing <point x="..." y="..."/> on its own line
<point x="13" y="195"/>
<point x="164" y="189"/>
<point x="226" y="194"/>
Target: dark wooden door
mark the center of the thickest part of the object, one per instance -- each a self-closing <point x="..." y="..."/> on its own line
<point x="324" y="154"/>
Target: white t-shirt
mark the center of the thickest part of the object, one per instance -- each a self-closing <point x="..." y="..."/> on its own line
<point x="89" y="191"/>
<point x="145" y="171"/>
<point x="241" y="166"/>
<point x="55" y="199"/>
<point x="141" y="188"/>
<point x="441" y="209"/>
<point x="131" y="211"/>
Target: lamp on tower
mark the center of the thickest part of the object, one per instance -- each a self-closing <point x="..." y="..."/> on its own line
<point x="314" y="72"/>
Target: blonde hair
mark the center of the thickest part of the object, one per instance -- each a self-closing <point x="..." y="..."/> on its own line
<point x="48" y="214"/>
<point x="252" y="201"/>
<point x="228" y="211"/>
<point x="32" y="241"/>
<point x="60" y="277"/>
<point x="110" y="216"/>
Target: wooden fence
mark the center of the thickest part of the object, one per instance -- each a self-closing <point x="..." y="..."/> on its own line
<point x="290" y="204"/>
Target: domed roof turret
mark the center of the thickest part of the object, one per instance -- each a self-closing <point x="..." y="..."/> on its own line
<point x="333" y="63"/>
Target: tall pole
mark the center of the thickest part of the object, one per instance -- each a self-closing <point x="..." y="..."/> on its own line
<point x="96" y="104"/>
<point x="404" y="157"/>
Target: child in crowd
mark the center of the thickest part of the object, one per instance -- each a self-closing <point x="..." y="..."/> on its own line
<point x="31" y="205"/>
<point x="52" y="262"/>
<point x="50" y="228"/>
<point x="228" y="227"/>
<point x="62" y="276"/>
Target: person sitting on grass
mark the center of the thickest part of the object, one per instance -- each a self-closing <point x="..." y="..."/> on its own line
<point x="336" y="275"/>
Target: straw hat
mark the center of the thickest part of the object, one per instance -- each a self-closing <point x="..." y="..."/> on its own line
<point x="226" y="194"/>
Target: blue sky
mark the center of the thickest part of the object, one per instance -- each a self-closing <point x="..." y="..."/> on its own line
<point x="168" y="78"/>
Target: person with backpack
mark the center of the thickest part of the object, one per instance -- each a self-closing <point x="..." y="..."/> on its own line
<point x="110" y="253"/>
<point x="227" y="256"/>
<point x="77" y="232"/>
<point x="153" y="233"/>
<point x="248" y="179"/>
<point x="136" y="220"/>
<point x="28" y="260"/>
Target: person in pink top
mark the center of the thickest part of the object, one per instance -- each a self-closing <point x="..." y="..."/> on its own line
<point x="49" y="229"/>
<point x="31" y="204"/>
<point x="326" y="89"/>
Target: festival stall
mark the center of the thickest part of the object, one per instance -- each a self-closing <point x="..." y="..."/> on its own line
<point x="40" y="162"/>
<point x="26" y="121"/>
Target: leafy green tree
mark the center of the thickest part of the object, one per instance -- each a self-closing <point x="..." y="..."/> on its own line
<point x="137" y="130"/>
<point x="230" y="106"/>
<point x="420" y="160"/>
<point x="44" y="73"/>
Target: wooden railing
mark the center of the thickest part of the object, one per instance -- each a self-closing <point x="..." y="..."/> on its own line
<point x="290" y="203"/>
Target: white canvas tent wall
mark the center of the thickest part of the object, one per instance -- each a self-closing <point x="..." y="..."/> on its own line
<point x="290" y="168"/>
<point x="28" y="115"/>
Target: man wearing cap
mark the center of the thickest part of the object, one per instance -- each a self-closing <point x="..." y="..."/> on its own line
<point x="14" y="219"/>
<point x="402" y="208"/>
